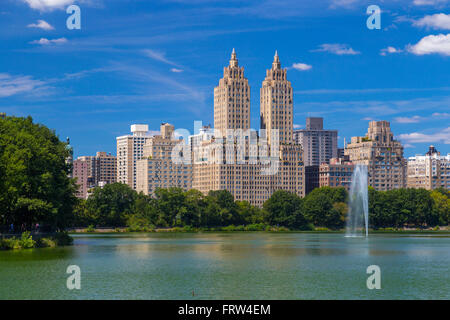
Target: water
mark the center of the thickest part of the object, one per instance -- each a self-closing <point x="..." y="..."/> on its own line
<point x="231" y="266"/>
<point x="358" y="209"/>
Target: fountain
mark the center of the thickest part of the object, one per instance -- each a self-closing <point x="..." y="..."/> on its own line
<point x="358" y="205"/>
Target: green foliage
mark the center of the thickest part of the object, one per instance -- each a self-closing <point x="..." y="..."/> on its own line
<point x="90" y="228"/>
<point x="110" y="205"/>
<point x="408" y="208"/>
<point x="285" y="209"/>
<point x="34" y="184"/>
<point x="26" y="241"/>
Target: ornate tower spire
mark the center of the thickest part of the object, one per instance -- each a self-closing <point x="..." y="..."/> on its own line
<point x="276" y="61"/>
<point x="233" y="60"/>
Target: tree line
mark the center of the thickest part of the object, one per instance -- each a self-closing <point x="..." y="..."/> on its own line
<point x="117" y="205"/>
<point x="35" y="188"/>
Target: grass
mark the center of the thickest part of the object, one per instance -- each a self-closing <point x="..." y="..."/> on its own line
<point x="26" y="241"/>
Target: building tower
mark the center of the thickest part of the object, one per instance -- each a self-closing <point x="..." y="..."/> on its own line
<point x="319" y="145"/>
<point x="232" y="99"/>
<point x="382" y="155"/>
<point x="130" y="149"/>
<point x="276" y="103"/>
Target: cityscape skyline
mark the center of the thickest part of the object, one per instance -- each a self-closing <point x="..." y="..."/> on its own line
<point x="158" y="62"/>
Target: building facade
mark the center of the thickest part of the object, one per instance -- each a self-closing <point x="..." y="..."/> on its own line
<point x="319" y="145"/>
<point x="276" y="99"/>
<point x="232" y="99"/>
<point x="158" y="169"/>
<point x="130" y="149"/>
<point x="429" y="171"/>
<point x="337" y="173"/>
<point x="382" y="155"/>
<point x="94" y="171"/>
<point x="251" y="166"/>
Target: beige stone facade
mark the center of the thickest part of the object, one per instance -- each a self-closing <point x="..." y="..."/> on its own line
<point x="382" y="155"/>
<point x="276" y="99"/>
<point x="249" y="166"/>
<point x="158" y="169"/>
<point x="429" y="171"/>
<point x="130" y="149"/>
<point x="232" y="99"/>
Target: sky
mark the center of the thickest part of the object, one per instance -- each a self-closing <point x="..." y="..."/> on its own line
<point x="136" y="61"/>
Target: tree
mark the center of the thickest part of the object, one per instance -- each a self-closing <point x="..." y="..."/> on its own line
<point x="34" y="184"/>
<point x="326" y="207"/>
<point x="111" y="204"/>
<point x="285" y="209"/>
<point x="441" y="208"/>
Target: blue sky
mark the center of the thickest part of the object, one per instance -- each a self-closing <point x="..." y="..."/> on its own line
<point x="158" y="61"/>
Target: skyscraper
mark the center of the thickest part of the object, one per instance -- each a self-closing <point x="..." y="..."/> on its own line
<point x="319" y="145"/>
<point x="232" y="99"/>
<point x="382" y="155"/>
<point x="276" y="103"/>
<point x="251" y="168"/>
<point x="130" y="149"/>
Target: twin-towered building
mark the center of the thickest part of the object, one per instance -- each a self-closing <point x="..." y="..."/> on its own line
<point x="251" y="165"/>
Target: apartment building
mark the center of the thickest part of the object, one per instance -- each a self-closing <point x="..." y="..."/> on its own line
<point x="337" y="173"/>
<point x="276" y="99"/>
<point x="429" y="171"/>
<point x="232" y="99"/>
<point x="319" y="145"/>
<point x="158" y="168"/>
<point x="94" y="171"/>
<point x="249" y="165"/>
<point x="382" y="155"/>
<point x="130" y="149"/>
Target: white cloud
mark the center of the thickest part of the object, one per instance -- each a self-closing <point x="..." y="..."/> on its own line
<point x="41" y="24"/>
<point x="301" y="66"/>
<point x="45" y="41"/>
<point x="176" y="70"/>
<point x="157" y="55"/>
<point x="342" y="3"/>
<point x="417" y="137"/>
<point x="439" y="44"/>
<point x="12" y="85"/>
<point x="429" y="2"/>
<point x="413" y="119"/>
<point x="389" y="49"/>
<point x="368" y="119"/>
<point x="336" y="48"/>
<point x="436" y="21"/>
<point x="441" y="115"/>
<point x="47" y="5"/>
<point x="298" y="126"/>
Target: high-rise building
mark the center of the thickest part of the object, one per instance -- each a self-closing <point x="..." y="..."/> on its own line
<point x="94" y="171"/>
<point x="249" y="166"/>
<point x="337" y="173"/>
<point x="430" y="171"/>
<point x="157" y="168"/>
<point x="130" y="149"/>
<point x="319" y="145"/>
<point x="382" y="155"/>
<point x="82" y="177"/>
<point x="232" y="99"/>
<point x="276" y="103"/>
